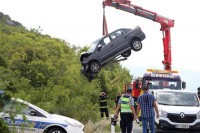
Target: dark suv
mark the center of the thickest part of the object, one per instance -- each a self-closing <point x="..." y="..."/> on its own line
<point x="117" y="43"/>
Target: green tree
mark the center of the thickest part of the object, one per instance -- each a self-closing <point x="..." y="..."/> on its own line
<point x="46" y="72"/>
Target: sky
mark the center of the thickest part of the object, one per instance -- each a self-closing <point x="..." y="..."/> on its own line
<point x="80" y="23"/>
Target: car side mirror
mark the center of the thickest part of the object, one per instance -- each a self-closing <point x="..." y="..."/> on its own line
<point x="32" y="112"/>
<point x="99" y="47"/>
<point x="183" y="85"/>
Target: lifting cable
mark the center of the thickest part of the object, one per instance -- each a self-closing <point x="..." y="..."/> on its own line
<point x="105" y="29"/>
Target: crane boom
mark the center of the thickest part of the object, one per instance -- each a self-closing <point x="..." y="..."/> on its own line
<point x="166" y="24"/>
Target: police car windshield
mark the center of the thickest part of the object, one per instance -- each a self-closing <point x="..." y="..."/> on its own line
<point x="177" y="98"/>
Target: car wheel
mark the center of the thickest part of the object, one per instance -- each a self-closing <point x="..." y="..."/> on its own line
<point x="126" y="54"/>
<point x="56" y="130"/>
<point x="136" y="45"/>
<point x="95" y="66"/>
<point x="157" y="128"/>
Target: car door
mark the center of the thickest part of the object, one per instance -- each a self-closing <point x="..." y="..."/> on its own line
<point x="103" y="49"/>
<point x="17" y="116"/>
<point x="119" y="42"/>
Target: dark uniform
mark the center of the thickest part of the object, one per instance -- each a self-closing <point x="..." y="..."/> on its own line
<point x="103" y="105"/>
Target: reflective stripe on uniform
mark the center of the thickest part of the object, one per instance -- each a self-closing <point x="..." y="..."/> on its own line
<point x="102" y="100"/>
<point x="125" y="104"/>
<point x="103" y="107"/>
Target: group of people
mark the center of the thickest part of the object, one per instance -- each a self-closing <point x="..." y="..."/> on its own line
<point x="128" y="110"/>
<point x="146" y="103"/>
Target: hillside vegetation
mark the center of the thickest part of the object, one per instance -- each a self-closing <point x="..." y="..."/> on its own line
<point x="46" y="72"/>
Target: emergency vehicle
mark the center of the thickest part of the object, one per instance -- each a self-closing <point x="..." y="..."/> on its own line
<point x="163" y="79"/>
<point x="157" y="79"/>
<point x="21" y="116"/>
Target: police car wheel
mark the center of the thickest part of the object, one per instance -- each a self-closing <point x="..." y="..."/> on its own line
<point x="56" y="130"/>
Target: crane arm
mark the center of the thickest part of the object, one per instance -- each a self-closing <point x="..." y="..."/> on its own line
<point x="166" y="24"/>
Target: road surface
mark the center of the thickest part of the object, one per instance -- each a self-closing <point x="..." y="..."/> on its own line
<point x="136" y="128"/>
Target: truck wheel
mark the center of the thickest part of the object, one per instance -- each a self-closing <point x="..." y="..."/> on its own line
<point x="56" y="130"/>
<point x="136" y="44"/>
<point x="126" y="54"/>
<point x="94" y="66"/>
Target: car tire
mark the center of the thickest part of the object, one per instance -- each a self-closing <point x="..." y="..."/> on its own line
<point x="136" y="44"/>
<point x="56" y="130"/>
<point x="157" y="128"/>
<point x="126" y="54"/>
<point x="94" y="66"/>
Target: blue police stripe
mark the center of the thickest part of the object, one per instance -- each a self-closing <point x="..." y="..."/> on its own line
<point x="42" y="125"/>
<point x="35" y="124"/>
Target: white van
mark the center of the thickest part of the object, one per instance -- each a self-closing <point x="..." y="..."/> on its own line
<point x="179" y="111"/>
<point x="22" y="116"/>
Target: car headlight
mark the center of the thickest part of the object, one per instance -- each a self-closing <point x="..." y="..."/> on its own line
<point x="163" y="113"/>
<point x="198" y="115"/>
<point x="74" y="124"/>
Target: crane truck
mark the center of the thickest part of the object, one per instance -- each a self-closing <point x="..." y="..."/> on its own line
<point x="158" y="79"/>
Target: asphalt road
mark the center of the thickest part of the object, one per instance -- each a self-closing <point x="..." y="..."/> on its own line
<point x="136" y="128"/>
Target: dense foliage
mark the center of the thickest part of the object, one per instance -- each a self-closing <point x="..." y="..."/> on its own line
<point x="46" y="72"/>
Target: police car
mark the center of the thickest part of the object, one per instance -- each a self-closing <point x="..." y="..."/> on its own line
<point x="22" y="116"/>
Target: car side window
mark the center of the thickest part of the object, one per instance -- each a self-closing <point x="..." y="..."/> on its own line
<point x="106" y="40"/>
<point x="8" y="107"/>
<point x="33" y="112"/>
<point x="12" y="106"/>
<point x="116" y="34"/>
<point x="103" y="43"/>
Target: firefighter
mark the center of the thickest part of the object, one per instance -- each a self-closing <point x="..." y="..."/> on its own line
<point x="127" y="113"/>
<point x="103" y="105"/>
<point x="136" y="91"/>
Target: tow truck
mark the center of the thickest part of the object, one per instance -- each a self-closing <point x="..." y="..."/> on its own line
<point x="158" y="78"/>
<point x="163" y="79"/>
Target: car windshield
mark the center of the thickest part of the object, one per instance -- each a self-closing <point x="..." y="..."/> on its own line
<point x="94" y="45"/>
<point x="163" y="83"/>
<point x="175" y="98"/>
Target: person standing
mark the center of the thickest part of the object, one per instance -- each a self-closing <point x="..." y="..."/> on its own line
<point x="117" y="98"/>
<point x="136" y="90"/>
<point x="103" y="105"/>
<point x="147" y="103"/>
<point x="127" y="113"/>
